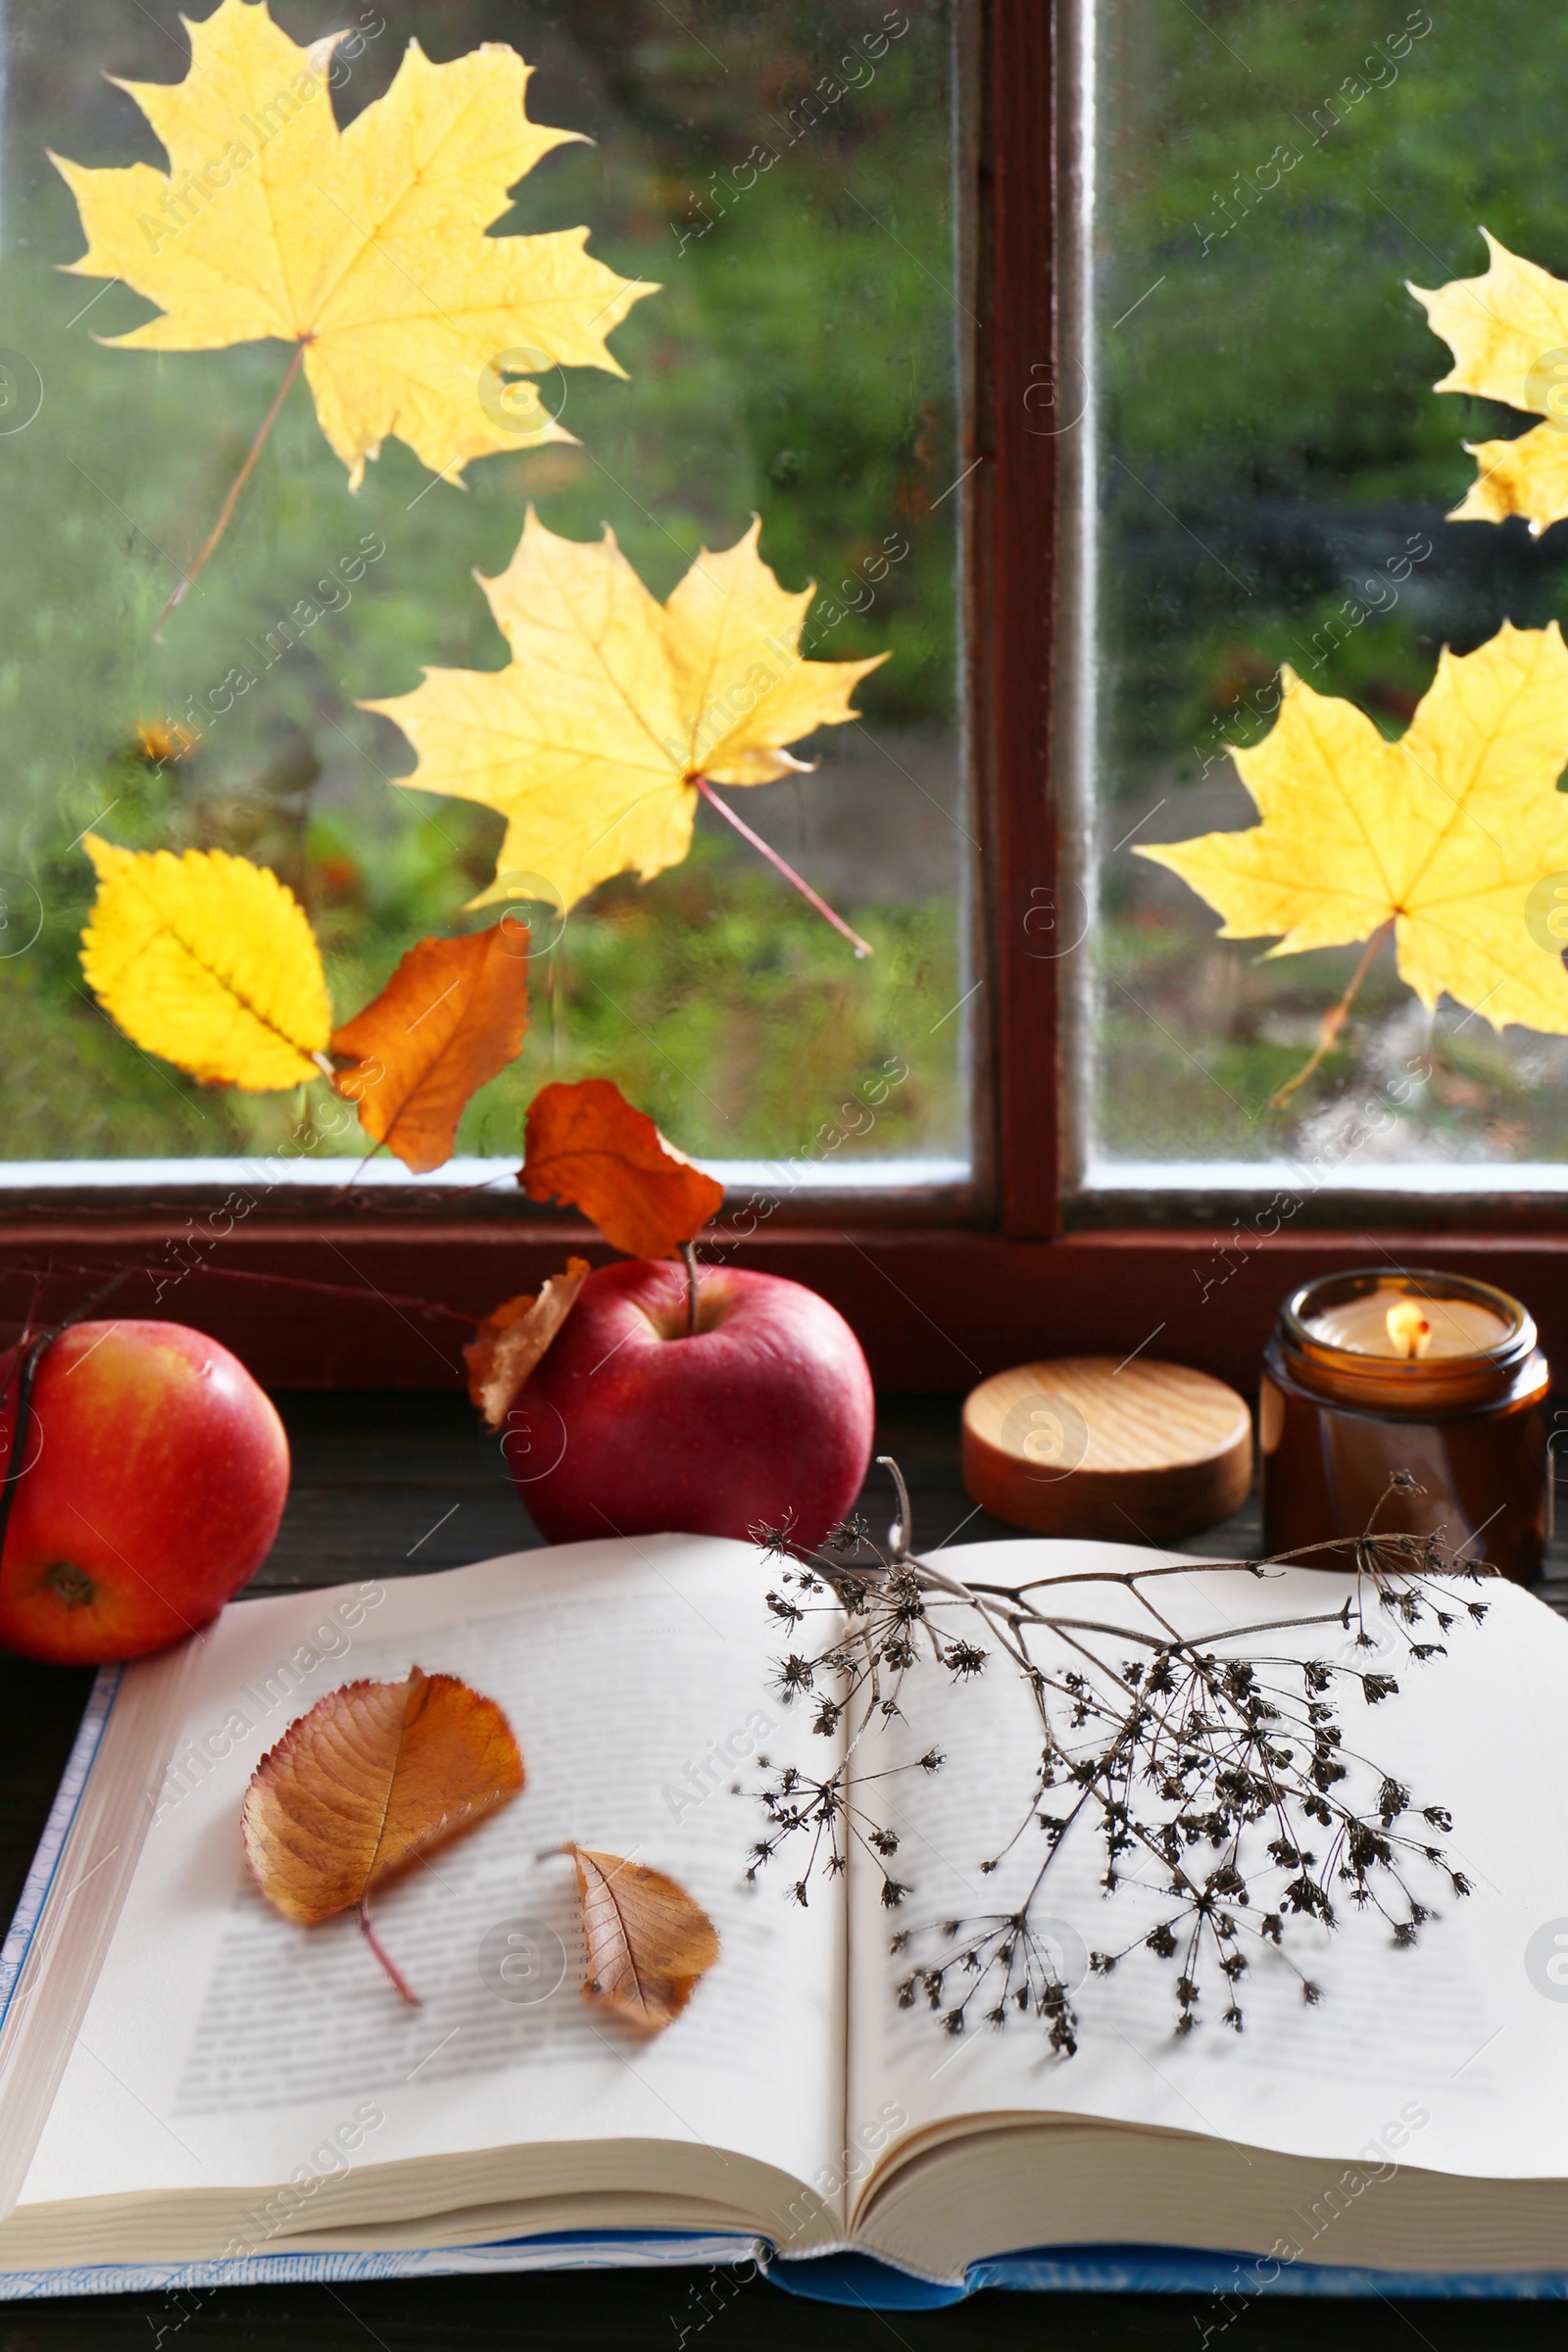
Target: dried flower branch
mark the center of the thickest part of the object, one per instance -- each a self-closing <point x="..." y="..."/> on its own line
<point x="1213" y="1769"/>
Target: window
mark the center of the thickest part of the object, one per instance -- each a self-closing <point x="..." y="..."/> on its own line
<point x="787" y="172"/>
<point x="1265" y="475"/>
<point x="963" y="354"/>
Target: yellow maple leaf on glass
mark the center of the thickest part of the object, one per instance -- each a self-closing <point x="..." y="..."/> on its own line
<point x="208" y="961"/>
<point x="615" y="714"/>
<point x="1442" y="837"/>
<point x="1508" y="332"/>
<point x="363" y="248"/>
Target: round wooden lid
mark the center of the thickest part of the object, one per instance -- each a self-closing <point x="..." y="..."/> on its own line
<point x="1136" y="1453"/>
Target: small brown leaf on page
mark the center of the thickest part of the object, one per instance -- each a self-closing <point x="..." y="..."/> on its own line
<point x="587" y="1145"/>
<point x="451" y="1017"/>
<point x="374" y="1774"/>
<point x="647" y="1941"/>
<point x="513" y="1339"/>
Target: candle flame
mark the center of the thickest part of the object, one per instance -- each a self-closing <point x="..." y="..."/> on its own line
<point x="1410" y="1329"/>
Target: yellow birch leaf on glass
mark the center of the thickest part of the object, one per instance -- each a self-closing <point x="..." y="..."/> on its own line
<point x="208" y="961"/>
<point x="592" y="740"/>
<point x="1442" y="835"/>
<point x="1508" y="332"/>
<point x="364" y="248"/>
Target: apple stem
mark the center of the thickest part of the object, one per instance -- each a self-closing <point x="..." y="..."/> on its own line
<point x="688" y="1252"/>
<point x="17" y="1458"/>
<point x="176" y="595"/>
<point x="385" y="1957"/>
<point x="861" y="945"/>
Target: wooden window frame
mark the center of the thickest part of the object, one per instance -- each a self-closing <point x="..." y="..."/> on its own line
<point x="941" y="1288"/>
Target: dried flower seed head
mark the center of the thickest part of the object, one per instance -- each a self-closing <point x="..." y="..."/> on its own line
<point x="1227" y="1747"/>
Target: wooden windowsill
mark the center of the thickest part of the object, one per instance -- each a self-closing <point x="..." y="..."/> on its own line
<point x="384" y="1299"/>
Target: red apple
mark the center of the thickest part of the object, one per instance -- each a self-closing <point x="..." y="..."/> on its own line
<point x="156" y="1476"/>
<point x="632" y="1426"/>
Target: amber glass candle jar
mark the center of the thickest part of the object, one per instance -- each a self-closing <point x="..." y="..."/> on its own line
<point x="1372" y="1372"/>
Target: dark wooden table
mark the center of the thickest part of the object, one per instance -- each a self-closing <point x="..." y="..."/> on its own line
<point x="398" y="1483"/>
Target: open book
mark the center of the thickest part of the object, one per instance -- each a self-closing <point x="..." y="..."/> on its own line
<point x="188" y="2079"/>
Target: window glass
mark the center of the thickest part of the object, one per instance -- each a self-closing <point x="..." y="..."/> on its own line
<point x="784" y="172"/>
<point x="1271" y="472"/>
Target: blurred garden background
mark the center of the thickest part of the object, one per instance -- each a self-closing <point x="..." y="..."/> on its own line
<point x="799" y="361"/>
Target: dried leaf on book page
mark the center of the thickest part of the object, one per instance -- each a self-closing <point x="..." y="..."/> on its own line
<point x="647" y="1941"/>
<point x="375" y="1774"/>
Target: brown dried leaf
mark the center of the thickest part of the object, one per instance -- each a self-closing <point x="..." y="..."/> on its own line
<point x="647" y="1941"/>
<point x="587" y="1145"/>
<point x="514" y="1337"/>
<point x="374" y="1774"/>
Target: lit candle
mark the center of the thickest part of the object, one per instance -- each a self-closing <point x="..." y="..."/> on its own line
<point x="1388" y="1322"/>
<point x="1372" y="1374"/>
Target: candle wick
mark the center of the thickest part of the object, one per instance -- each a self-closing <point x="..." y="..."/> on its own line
<point x="1409" y="1330"/>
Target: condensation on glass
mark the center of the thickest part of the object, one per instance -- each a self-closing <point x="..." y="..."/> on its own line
<point x="1261" y="475"/>
<point x="786" y="171"/>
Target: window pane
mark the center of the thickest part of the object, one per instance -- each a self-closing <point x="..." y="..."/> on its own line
<point x="785" y="171"/>
<point x="1272" y="472"/>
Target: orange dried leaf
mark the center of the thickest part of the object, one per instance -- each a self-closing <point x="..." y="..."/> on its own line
<point x="647" y="1941"/>
<point x="587" y="1145"/>
<point x="452" y="1014"/>
<point x="374" y="1774"/>
<point x="511" y="1342"/>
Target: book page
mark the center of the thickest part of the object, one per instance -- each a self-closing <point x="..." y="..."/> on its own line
<point x="224" y="2045"/>
<point x="1464" y="2036"/>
